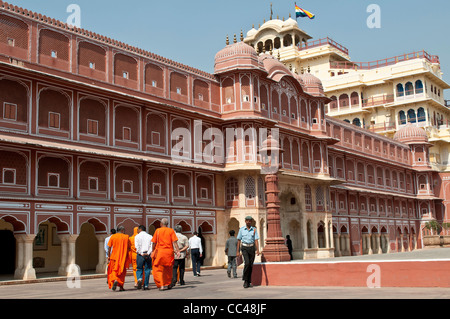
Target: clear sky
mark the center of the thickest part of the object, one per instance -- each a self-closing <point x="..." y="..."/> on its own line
<point x="192" y="32"/>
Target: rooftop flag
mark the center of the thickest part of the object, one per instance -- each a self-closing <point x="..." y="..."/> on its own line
<point x="302" y="13"/>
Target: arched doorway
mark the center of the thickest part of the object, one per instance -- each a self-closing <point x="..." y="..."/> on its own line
<point x="86" y="249"/>
<point x="7" y="248"/>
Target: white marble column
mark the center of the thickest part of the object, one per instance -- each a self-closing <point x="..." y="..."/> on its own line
<point x="67" y="254"/>
<point x="102" y="261"/>
<point x="25" y="270"/>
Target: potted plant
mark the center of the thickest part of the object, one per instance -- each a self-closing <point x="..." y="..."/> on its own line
<point x="434" y="239"/>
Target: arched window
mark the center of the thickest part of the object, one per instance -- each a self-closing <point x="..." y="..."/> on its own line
<point x="421" y="117"/>
<point x="412" y="116"/>
<point x="401" y="118"/>
<point x="400" y="90"/>
<point x="419" y="87"/>
<point x="344" y="100"/>
<point x="409" y="89"/>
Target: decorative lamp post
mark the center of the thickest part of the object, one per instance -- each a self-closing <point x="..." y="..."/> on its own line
<point x="275" y="249"/>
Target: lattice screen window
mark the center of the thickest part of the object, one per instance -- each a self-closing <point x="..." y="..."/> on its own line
<point x="262" y="191"/>
<point x="13" y="32"/>
<point x="328" y="201"/>
<point x="319" y="198"/>
<point x="308" y="198"/>
<point x="232" y="189"/>
<point x="250" y="191"/>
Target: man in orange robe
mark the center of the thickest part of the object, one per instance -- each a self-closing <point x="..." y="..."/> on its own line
<point x="164" y="244"/>
<point x="134" y="255"/>
<point x="119" y="258"/>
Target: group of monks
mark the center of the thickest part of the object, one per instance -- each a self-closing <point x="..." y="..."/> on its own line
<point x="122" y="253"/>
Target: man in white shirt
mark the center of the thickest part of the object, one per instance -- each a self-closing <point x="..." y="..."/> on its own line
<point x="113" y="231"/>
<point x="143" y="244"/>
<point x="195" y="247"/>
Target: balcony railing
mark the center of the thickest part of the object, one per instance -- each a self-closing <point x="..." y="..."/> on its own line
<point x="381" y="127"/>
<point x="384" y="62"/>
<point x="324" y="41"/>
<point x="378" y="100"/>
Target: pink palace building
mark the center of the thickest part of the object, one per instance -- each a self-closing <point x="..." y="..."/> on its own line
<point x="86" y="145"/>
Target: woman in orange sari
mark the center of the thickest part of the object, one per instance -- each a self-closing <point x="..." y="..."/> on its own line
<point x="164" y="244"/>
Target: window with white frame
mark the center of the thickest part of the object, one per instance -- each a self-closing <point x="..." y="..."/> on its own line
<point x="203" y="193"/>
<point x="92" y="127"/>
<point x="156" y="189"/>
<point x="9" y="176"/>
<point x="156" y="138"/>
<point x="53" y="180"/>
<point x="54" y="120"/>
<point x="127" y="186"/>
<point x="126" y="134"/>
<point x="93" y="183"/>
<point x="10" y="111"/>
<point x="181" y="190"/>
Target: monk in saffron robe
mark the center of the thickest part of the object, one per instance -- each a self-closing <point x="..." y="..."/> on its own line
<point x="164" y="244"/>
<point x="119" y="258"/>
<point x="134" y="255"/>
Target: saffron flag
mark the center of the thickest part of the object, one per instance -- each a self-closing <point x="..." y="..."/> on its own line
<point x="302" y="13"/>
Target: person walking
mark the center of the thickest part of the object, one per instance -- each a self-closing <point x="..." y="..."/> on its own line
<point x="164" y="244"/>
<point x="195" y="247"/>
<point x="248" y="242"/>
<point x="179" y="264"/>
<point x="143" y="244"/>
<point x="231" y="251"/>
<point x="289" y="246"/>
<point x="133" y="254"/>
<point x="119" y="258"/>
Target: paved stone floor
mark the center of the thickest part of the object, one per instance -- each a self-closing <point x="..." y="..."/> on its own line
<point x="214" y="284"/>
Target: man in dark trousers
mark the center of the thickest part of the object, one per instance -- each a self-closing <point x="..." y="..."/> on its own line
<point x="231" y="251"/>
<point x="248" y="242"/>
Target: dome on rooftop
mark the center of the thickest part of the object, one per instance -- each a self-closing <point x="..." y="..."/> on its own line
<point x="237" y="55"/>
<point x="411" y="134"/>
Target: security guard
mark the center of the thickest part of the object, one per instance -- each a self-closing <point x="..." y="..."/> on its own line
<point x="248" y="242"/>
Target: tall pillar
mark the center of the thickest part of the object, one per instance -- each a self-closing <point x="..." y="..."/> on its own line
<point x="378" y="236"/>
<point x="275" y="250"/>
<point x="338" y="245"/>
<point x="67" y="254"/>
<point x="25" y="270"/>
<point x="102" y="262"/>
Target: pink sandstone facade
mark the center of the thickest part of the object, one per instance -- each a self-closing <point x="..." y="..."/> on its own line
<point x="86" y="146"/>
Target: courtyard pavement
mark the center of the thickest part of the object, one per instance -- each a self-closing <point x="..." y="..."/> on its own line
<point x="214" y="284"/>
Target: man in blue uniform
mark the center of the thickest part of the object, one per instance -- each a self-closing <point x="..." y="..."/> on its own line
<point x="248" y="243"/>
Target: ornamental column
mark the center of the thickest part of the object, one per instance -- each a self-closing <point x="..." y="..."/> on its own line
<point x="25" y="270"/>
<point x="102" y="262"/>
<point x="67" y="254"/>
<point x="275" y="250"/>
